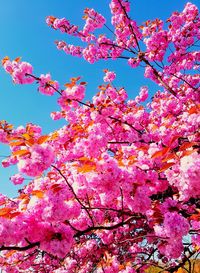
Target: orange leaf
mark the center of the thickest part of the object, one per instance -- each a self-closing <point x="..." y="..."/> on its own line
<point x="142" y="148"/>
<point x="166" y="166"/>
<point x="169" y="156"/>
<point x="17" y="143"/>
<point x="26" y="136"/>
<point x="10" y="138"/>
<point x="132" y="159"/>
<point x="25" y="200"/>
<point x="10" y="253"/>
<point x="51" y="82"/>
<point x="187" y="153"/>
<point x="86" y="168"/>
<point x="120" y="163"/>
<point x="56" y="188"/>
<point x="18" y="59"/>
<point x="5" y="59"/>
<point x="160" y="153"/>
<point x="186" y="145"/>
<point x="75" y="79"/>
<point x="38" y="193"/>
<point x="173" y="139"/>
<point x="102" y="87"/>
<point x="9" y="127"/>
<point x="85" y="17"/>
<point x="83" y="158"/>
<point x="154" y="127"/>
<point x="193" y="110"/>
<point x="42" y="139"/>
<point x="21" y="152"/>
<point x="54" y="136"/>
<point x="69" y="85"/>
<point x="13" y="214"/>
<point x="30" y="142"/>
<point x="22" y="196"/>
<point x="5" y="211"/>
<point x="121" y="267"/>
<point x="195" y="217"/>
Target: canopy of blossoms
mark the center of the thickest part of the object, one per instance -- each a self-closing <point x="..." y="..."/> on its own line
<point x="117" y="188"/>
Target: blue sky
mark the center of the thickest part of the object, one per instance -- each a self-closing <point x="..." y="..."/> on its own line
<point x="24" y="33"/>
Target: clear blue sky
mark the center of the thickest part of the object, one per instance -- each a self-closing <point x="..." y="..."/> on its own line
<point x="24" y="33"/>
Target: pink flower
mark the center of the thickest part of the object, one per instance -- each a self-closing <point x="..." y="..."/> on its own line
<point x="94" y="20"/>
<point x="58" y="240"/>
<point x="143" y="95"/>
<point x="77" y="92"/>
<point x="109" y="77"/>
<point x="20" y="71"/>
<point x="61" y="24"/>
<point x="56" y="115"/>
<point x="47" y="86"/>
<point x="133" y="62"/>
<point x="3" y="136"/>
<point x="17" y="179"/>
<point x="42" y="156"/>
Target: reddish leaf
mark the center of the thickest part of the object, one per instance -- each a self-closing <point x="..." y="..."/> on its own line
<point x="193" y="109"/>
<point x="5" y="59"/>
<point x="8" y="127"/>
<point x="56" y="188"/>
<point x="4" y="212"/>
<point x="186" y="145"/>
<point x="69" y="85"/>
<point x="21" y="153"/>
<point x="161" y="152"/>
<point x="169" y="157"/>
<point x="18" y="59"/>
<point x="17" y="143"/>
<point x="13" y="214"/>
<point x="30" y="142"/>
<point x="26" y="136"/>
<point x="174" y="138"/>
<point x="187" y="152"/>
<point x="166" y="166"/>
<point x="75" y="79"/>
<point x="42" y="139"/>
<point x="86" y="168"/>
<point x="10" y="253"/>
<point x="38" y="193"/>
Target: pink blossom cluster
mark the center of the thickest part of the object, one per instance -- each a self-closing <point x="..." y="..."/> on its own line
<point x="20" y="71"/>
<point x="187" y="177"/>
<point x="77" y="92"/>
<point x="157" y="45"/>
<point x="69" y="49"/>
<point x="143" y="95"/>
<point x="116" y="189"/>
<point x="41" y="158"/>
<point x="9" y="161"/>
<point x="62" y="24"/>
<point x="109" y="76"/>
<point x="3" y="136"/>
<point x="47" y="86"/>
<point x="182" y="33"/>
<point x="93" y="21"/>
<point x="57" y="240"/>
<point x="173" y="232"/>
<point x="17" y="179"/>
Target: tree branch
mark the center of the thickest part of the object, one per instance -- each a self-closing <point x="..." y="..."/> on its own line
<point x="18" y="248"/>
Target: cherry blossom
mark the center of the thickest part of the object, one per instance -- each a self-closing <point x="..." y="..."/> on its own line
<point x="116" y="189"/>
